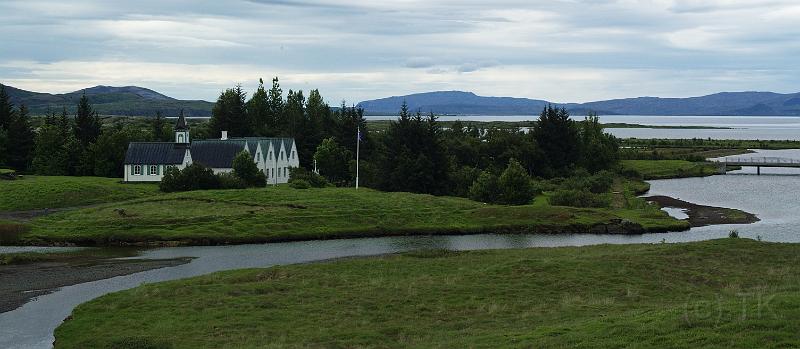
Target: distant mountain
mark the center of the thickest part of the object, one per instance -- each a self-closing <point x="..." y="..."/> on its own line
<point x="454" y="102"/>
<point x="467" y="103"/>
<point x="109" y="100"/>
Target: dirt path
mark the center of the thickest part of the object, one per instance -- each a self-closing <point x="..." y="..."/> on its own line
<point x="19" y="283"/>
<point x="700" y="215"/>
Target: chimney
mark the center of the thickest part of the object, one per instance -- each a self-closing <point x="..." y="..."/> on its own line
<point x="224" y="136"/>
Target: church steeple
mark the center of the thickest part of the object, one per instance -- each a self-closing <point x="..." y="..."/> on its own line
<point x="181" y="130"/>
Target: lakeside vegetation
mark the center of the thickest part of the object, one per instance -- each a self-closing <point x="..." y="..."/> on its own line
<point x="41" y="192"/>
<point x="664" y="169"/>
<point x="283" y="213"/>
<point x="728" y="293"/>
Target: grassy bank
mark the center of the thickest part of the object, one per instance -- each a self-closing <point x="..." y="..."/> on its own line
<point x="723" y="293"/>
<point x="282" y="214"/>
<point x="40" y="192"/>
<point x="663" y="169"/>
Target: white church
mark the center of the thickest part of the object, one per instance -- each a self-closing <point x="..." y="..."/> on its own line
<point x="147" y="161"/>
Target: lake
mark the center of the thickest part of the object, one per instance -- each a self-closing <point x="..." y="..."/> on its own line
<point x="742" y="127"/>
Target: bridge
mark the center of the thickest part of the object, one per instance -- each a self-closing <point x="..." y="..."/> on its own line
<point x="757" y="162"/>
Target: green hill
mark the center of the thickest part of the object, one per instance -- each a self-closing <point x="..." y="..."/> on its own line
<point x="109" y="100"/>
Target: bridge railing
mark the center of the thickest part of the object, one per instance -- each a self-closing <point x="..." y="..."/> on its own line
<point x="756" y="160"/>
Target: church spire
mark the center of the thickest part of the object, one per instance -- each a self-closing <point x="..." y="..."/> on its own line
<point x="181" y="130"/>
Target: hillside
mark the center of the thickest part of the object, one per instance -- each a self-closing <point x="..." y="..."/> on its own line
<point x="467" y="103"/>
<point x="109" y="100"/>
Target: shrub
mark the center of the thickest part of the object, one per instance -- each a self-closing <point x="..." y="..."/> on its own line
<point x="247" y="170"/>
<point x="578" y="198"/>
<point x="733" y="234"/>
<point x="300" y="184"/>
<point x="516" y="185"/>
<point x="193" y="177"/>
<point x="231" y="181"/>
<point x="312" y="179"/>
<point x="485" y="189"/>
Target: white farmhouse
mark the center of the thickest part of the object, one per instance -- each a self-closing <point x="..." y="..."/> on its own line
<point x="146" y="161"/>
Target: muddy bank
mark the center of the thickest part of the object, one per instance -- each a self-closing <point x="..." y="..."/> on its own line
<point x="700" y="215"/>
<point x="19" y="283"/>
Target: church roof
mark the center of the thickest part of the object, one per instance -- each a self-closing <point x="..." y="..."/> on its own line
<point x="217" y="153"/>
<point x="266" y="141"/>
<point x="180" y="125"/>
<point x="155" y="153"/>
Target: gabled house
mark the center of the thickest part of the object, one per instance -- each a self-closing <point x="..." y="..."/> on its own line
<point x="147" y="161"/>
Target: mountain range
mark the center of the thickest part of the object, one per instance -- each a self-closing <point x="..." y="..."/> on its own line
<point x="109" y="100"/>
<point x="139" y="101"/>
<point x="468" y="103"/>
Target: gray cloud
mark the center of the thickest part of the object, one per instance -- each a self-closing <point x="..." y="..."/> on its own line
<point x="357" y="50"/>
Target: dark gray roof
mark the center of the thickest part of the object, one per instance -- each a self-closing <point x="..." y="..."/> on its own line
<point x="181" y="124"/>
<point x="216" y="153"/>
<point x="155" y="153"/>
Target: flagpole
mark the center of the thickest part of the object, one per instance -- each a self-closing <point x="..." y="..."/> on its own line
<point x="358" y="151"/>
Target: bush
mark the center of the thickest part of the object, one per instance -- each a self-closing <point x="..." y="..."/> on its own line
<point x="312" y="179"/>
<point x="247" y="170"/>
<point x="485" y="189"/>
<point x="516" y="185"/>
<point x="300" y="184"/>
<point x="231" y="181"/>
<point x="193" y="177"/>
<point x="598" y="183"/>
<point x="578" y="198"/>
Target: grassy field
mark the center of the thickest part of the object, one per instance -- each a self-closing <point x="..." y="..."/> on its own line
<point x="730" y="293"/>
<point x="282" y="214"/>
<point x="662" y="169"/>
<point x="39" y="192"/>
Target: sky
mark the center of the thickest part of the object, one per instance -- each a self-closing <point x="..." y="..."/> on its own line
<point x="557" y="50"/>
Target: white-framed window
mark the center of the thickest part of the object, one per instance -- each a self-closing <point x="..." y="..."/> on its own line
<point x="153" y="170"/>
<point x="273" y="172"/>
<point x="284" y="171"/>
<point x="293" y="155"/>
<point x="270" y="155"/>
<point x="137" y="170"/>
<point x="281" y="155"/>
<point x="180" y="138"/>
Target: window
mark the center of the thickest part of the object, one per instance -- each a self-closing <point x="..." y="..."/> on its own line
<point x="293" y="154"/>
<point x="270" y="155"/>
<point x="281" y="155"/>
<point x="273" y="172"/>
<point x="180" y="138"/>
<point x="137" y="170"/>
<point x="153" y="170"/>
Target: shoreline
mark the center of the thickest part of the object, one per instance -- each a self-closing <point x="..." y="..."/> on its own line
<point x="702" y="215"/>
<point x="22" y="282"/>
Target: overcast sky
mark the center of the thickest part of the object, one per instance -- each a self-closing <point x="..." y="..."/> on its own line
<point x="561" y="51"/>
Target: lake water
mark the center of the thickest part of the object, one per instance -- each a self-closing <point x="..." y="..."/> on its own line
<point x="742" y="127"/>
<point x="772" y="196"/>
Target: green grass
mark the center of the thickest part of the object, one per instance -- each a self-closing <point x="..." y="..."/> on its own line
<point x="662" y="169"/>
<point x="39" y="192"/>
<point x="283" y="213"/>
<point x="729" y="293"/>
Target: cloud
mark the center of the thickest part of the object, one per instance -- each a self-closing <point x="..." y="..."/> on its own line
<point x="559" y="50"/>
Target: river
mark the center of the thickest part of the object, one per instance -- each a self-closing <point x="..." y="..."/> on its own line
<point x="771" y="196"/>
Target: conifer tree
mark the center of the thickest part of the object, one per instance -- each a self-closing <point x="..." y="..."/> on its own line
<point x="230" y="114"/>
<point x="159" y="133"/>
<point x="6" y="108"/>
<point x="87" y="122"/>
<point x="275" y="104"/>
<point x="20" y="140"/>
<point x="259" y="112"/>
